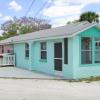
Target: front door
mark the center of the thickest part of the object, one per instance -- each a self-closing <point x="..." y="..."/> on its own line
<point x="58" y="56"/>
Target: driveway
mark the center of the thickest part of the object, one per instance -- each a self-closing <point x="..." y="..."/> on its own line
<point x="35" y="89"/>
<point x="14" y="72"/>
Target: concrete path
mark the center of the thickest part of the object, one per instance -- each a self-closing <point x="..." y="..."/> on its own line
<point x="35" y="89"/>
<point x="14" y="72"/>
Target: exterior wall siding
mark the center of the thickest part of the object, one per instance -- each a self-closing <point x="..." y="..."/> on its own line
<point x="45" y="66"/>
<point x="73" y="70"/>
<point x="21" y="61"/>
<point x="86" y="70"/>
<point x="68" y="68"/>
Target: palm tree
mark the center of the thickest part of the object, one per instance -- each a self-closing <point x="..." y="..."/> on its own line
<point x="89" y="16"/>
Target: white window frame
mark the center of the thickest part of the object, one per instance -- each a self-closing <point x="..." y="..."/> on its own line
<point x="43" y="50"/>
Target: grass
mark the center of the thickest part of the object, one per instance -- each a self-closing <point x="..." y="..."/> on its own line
<point x="87" y="80"/>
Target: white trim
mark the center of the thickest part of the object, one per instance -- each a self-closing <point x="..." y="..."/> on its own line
<point x="86" y="50"/>
<point x="45" y="50"/>
<point x="30" y="57"/>
<point x="7" y="60"/>
<point x="58" y="58"/>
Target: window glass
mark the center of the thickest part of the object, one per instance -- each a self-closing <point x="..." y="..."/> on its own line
<point x="66" y="50"/>
<point x="97" y="45"/>
<point x="86" y="43"/>
<point x="97" y="39"/>
<point x="2" y="49"/>
<point x="86" y="50"/>
<point x="86" y="57"/>
<point x="43" y="50"/>
<point x="97" y="51"/>
<point x="43" y="46"/>
<point x="43" y="55"/>
<point x="26" y="50"/>
<point x="58" y="50"/>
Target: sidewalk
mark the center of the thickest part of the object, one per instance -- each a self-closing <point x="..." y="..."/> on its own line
<point x="14" y="72"/>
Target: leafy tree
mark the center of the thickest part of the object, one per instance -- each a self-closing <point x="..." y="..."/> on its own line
<point x="89" y="16"/>
<point x="75" y="21"/>
<point x="23" y="25"/>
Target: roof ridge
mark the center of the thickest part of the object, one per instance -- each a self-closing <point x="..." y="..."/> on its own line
<point x="67" y="30"/>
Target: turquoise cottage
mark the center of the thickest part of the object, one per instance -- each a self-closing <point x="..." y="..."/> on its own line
<point x="71" y="51"/>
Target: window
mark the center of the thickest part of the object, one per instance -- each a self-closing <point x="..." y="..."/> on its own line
<point x="8" y="51"/>
<point x="43" y="50"/>
<point x="26" y="50"/>
<point x="86" y="50"/>
<point x="2" y="49"/>
<point x="97" y="50"/>
<point x="66" y="50"/>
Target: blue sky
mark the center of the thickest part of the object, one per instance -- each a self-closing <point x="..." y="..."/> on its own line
<point x="58" y="12"/>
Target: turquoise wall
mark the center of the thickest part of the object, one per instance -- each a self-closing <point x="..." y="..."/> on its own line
<point x="46" y="66"/>
<point x="68" y="68"/>
<point x="21" y="61"/>
<point x="43" y="65"/>
<point x="86" y="70"/>
<point x="74" y="69"/>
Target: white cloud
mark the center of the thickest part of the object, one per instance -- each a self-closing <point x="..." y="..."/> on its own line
<point x="63" y="21"/>
<point x="59" y="22"/>
<point x="15" y="6"/>
<point x="75" y="1"/>
<point x="66" y="7"/>
<point x="6" y="18"/>
<point x="1" y="15"/>
<point x="58" y="11"/>
<point x="62" y="11"/>
<point x="1" y="32"/>
<point x="61" y="8"/>
<point x="60" y="2"/>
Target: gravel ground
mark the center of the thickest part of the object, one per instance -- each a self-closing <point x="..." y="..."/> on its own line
<point x="35" y="89"/>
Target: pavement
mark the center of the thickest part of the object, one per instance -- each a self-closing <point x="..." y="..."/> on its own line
<point x="31" y="85"/>
<point x="36" y="89"/>
<point x="14" y="72"/>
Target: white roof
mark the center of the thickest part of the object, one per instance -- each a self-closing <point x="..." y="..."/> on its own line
<point x="63" y="31"/>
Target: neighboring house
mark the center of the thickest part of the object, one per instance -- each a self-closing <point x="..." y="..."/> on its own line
<point x="71" y="51"/>
<point x="7" y="48"/>
<point x="6" y="57"/>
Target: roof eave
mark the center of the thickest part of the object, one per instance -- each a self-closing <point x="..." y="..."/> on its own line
<point x="53" y="37"/>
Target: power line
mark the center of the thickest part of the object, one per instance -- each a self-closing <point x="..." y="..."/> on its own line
<point x="30" y="7"/>
<point x="40" y="16"/>
<point x="42" y="7"/>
